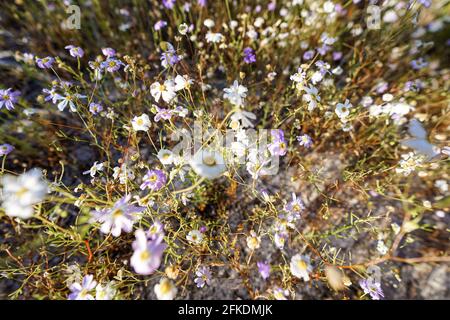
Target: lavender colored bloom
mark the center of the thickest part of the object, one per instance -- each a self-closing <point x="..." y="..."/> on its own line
<point x="295" y="206"/>
<point x="162" y="113"/>
<point x="112" y="64"/>
<point x="169" y="57"/>
<point x="305" y="140"/>
<point x="168" y="4"/>
<point x="8" y="98"/>
<point x="425" y="3"/>
<point x="147" y="255"/>
<point x="75" y="52"/>
<point x="382" y="87"/>
<point x="51" y="94"/>
<point x="419" y="64"/>
<point x="83" y="291"/>
<point x="203" y="277"/>
<point x="155" y="231"/>
<point x="5" y="149"/>
<point x="414" y="86"/>
<point x="203" y="229"/>
<point x="372" y="288"/>
<point x="308" y="55"/>
<point x="249" y="55"/>
<point x="201" y="3"/>
<point x="45" y="63"/>
<point x="154" y="180"/>
<point x="109" y="52"/>
<point x="160" y="24"/>
<point x="323" y="49"/>
<point x="120" y="217"/>
<point x="271" y="6"/>
<point x="337" y="55"/>
<point x="264" y="269"/>
<point x="278" y="146"/>
<point x="95" y="108"/>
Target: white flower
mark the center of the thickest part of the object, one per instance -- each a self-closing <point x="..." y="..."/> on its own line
<point x="166" y="91"/>
<point x="381" y="247"/>
<point x="68" y="100"/>
<point x="141" y="123"/>
<point x="123" y="174"/>
<point x="208" y="23"/>
<point x="214" y="37"/>
<point x="312" y="97"/>
<point x="253" y="241"/>
<point x="22" y="192"/>
<point x="235" y="94"/>
<point x="300" y="267"/>
<point x="195" y="236"/>
<point x="316" y="77"/>
<point x="96" y="167"/>
<point x="208" y="164"/>
<point x="165" y="156"/>
<point x="165" y="289"/>
<point x="343" y="110"/>
<point x="243" y="118"/>
<point x="106" y="292"/>
<point x="182" y="82"/>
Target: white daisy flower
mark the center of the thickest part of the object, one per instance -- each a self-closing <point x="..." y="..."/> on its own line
<point x="22" y="192"/>
<point x="165" y="156"/>
<point x="195" y="236"/>
<point x="166" y="91"/>
<point x="165" y="289"/>
<point x="300" y="267"/>
<point x="208" y="164"/>
<point x="343" y="110"/>
<point x="141" y="123"/>
<point x="214" y="37"/>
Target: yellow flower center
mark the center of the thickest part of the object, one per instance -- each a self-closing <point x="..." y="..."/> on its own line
<point x="209" y="161"/>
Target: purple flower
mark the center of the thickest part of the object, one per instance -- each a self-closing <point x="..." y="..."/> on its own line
<point x="278" y="146"/>
<point x="75" y="52"/>
<point x="109" y="52"/>
<point x="168" y="4"/>
<point x="155" y="231"/>
<point x="112" y="64"/>
<point x="308" y="55"/>
<point x="160" y="24"/>
<point x="295" y="206"/>
<point x="414" y="86"/>
<point x="45" y="63"/>
<point x="5" y="149"/>
<point x="271" y="6"/>
<point x="323" y="49"/>
<point x="51" y="94"/>
<point x="305" y="140"/>
<point x="419" y="64"/>
<point x="154" y="180"/>
<point x="120" y="217"/>
<point x="372" y="288"/>
<point x="201" y="3"/>
<point x="249" y="55"/>
<point x="264" y="269"/>
<point x="162" y="113"/>
<point x="203" y="277"/>
<point x="147" y="255"/>
<point x="95" y="108"/>
<point x="169" y="57"/>
<point x="8" y="98"/>
<point x="337" y="55"/>
<point x="83" y="291"/>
